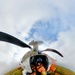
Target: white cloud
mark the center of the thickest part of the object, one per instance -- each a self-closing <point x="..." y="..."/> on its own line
<point x="65" y="44"/>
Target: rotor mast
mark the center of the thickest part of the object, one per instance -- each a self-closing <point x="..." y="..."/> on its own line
<point x="35" y="44"/>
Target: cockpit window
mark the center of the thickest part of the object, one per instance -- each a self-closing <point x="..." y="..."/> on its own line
<point x="37" y="58"/>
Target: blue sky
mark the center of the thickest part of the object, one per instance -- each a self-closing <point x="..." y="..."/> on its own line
<point x="47" y="30"/>
<point x="52" y="21"/>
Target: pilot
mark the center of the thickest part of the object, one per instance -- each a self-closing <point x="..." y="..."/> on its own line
<point x="33" y="71"/>
<point x="39" y="66"/>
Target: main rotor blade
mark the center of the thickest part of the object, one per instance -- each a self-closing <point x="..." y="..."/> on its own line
<point x="53" y="50"/>
<point x="8" y="38"/>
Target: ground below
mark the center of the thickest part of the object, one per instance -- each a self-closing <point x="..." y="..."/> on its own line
<point x="59" y="71"/>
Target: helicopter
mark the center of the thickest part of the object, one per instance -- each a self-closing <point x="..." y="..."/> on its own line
<point x="33" y="54"/>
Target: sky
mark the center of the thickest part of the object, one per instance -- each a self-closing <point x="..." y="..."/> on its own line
<point x="51" y="21"/>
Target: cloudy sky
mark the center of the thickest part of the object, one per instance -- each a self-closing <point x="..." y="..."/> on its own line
<point x="51" y="21"/>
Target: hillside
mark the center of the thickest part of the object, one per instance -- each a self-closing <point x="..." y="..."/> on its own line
<point x="16" y="71"/>
<point x="59" y="71"/>
<point x="63" y="71"/>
